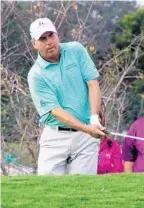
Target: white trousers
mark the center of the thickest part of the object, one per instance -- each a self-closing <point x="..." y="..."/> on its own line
<point x="64" y="152"/>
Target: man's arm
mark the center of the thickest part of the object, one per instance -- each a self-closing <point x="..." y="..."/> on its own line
<point x="94" y="96"/>
<point x="128" y="166"/>
<point x="95" y="103"/>
<point x="46" y="102"/>
<point x="67" y="119"/>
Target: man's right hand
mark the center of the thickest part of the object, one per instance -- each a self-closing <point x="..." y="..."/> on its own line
<point x="94" y="131"/>
<point x="66" y="118"/>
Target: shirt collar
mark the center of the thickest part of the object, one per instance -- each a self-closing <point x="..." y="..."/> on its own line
<point x="42" y="62"/>
<point x="45" y="63"/>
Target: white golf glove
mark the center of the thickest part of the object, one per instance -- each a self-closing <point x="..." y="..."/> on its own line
<point x="94" y="119"/>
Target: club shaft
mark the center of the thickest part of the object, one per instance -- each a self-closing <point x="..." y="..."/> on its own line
<point x="125" y="135"/>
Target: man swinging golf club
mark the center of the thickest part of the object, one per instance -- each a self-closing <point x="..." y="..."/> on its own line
<point x="65" y="91"/>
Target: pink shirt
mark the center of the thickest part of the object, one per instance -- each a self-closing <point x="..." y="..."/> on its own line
<point x="133" y="149"/>
<point x="109" y="158"/>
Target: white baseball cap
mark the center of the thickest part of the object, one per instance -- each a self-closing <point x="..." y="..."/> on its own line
<point x="40" y="26"/>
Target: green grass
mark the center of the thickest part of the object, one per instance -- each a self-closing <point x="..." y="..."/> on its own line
<point x="106" y="191"/>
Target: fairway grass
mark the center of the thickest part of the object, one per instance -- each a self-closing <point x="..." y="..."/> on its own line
<point x="105" y="191"/>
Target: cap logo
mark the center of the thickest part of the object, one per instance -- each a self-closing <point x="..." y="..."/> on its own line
<point x="41" y="23"/>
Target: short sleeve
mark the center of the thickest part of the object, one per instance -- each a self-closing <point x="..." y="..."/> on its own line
<point x="88" y="68"/>
<point x="42" y="95"/>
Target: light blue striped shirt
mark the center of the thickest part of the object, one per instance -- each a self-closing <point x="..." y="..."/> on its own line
<point x="63" y="84"/>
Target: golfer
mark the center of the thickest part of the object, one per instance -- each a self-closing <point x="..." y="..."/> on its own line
<point x="65" y="91"/>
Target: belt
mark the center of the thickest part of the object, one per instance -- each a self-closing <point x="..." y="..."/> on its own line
<point x="66" y="129"/>
<point x="58" y="128"/>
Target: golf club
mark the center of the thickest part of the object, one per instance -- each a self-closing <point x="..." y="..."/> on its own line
<point x="123" y="135"/>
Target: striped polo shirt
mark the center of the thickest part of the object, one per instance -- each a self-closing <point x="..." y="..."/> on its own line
<point x="63" y="84"/>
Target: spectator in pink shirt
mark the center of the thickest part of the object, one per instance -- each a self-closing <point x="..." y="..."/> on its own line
<point x="133" y="149"/>
<point x="109" y="157"/>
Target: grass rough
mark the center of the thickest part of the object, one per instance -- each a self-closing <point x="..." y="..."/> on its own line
<point x="103" y="191"/>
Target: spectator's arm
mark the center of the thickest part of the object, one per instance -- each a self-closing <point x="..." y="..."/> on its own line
<point x="129" y="152"/>
<point x="128" y="166"/>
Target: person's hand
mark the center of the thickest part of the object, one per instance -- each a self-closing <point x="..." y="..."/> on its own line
<point x="94" y="120"/>
<point x="94" y="131"/>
